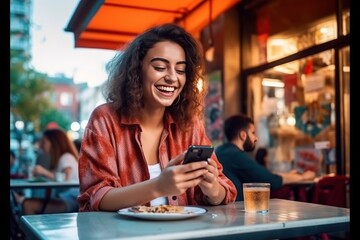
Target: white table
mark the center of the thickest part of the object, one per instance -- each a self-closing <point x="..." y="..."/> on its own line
<point x="285" y="219"/>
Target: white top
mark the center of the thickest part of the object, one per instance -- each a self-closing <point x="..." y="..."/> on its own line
<point x="155" y="171"/>
<point x="68" y="160"/>
<point x="69" y="195"/>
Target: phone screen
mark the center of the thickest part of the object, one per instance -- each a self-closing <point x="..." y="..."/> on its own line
<point x="197" y="153"/>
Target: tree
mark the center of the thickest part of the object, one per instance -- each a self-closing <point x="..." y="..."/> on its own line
<point x="29" y="91"/>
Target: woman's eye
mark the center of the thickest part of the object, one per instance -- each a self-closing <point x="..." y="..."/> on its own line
<point x="160" y="69"/>
<point x="180" y="71"/>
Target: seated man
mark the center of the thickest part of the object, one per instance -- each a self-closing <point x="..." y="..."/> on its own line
<point x="238" y="164"/>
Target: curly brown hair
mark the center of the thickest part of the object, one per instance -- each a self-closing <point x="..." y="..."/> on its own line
<point x="124" y="87"/>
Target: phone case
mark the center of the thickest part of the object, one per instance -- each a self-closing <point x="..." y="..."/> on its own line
<point x="197" y="153"/>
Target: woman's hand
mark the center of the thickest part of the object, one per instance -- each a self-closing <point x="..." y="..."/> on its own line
<point x="41" y="171"/>
<point x="176" y="178"/>
<point x="308" y="175"/>
<point x="210" y="185"/>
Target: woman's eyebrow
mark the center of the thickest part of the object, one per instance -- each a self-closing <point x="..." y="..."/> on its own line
<point x="165" y="60"/>
<point x="159" y="59"/>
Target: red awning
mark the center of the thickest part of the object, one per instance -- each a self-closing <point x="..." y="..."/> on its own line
<point x="109" y="24"/>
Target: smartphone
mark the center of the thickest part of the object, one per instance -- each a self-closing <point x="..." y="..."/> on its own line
<point x="197" y="153"/>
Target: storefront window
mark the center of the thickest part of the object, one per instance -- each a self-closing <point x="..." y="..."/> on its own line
<point x="279" y="46"/>
<point x="293" y="106"/>
<point x="295" y="67"/>
<point x="284" y="27"/>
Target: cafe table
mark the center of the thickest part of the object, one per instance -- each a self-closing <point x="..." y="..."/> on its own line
<point x="39" y="183"/>
<point x="285" y="219"/>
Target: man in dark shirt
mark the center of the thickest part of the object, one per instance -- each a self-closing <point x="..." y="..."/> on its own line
<point x="239" y="166"/>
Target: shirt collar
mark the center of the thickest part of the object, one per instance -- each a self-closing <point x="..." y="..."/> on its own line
<point x="168" y="120"/>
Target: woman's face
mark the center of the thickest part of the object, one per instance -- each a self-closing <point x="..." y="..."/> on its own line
<point x="163" y="74"/>
<point x="46" y="145"/>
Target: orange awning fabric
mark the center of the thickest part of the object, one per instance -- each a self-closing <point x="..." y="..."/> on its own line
<point x="109" y="24"/>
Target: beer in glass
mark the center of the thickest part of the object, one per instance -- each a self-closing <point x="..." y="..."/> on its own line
<point x="256" y="197"/>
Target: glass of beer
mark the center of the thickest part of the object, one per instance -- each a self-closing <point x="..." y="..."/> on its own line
<point x="256" y="197"/>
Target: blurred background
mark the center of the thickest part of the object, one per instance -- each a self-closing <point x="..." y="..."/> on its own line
<point x="53" y="84"/>
<point x="285" y="63"/>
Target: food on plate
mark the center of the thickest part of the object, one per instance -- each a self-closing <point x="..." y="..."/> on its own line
<point x="159" y="209"/>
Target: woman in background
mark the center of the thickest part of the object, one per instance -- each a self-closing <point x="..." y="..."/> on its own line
<point x="64" y="158"/>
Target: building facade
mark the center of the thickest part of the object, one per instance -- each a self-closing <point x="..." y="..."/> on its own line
<point x="65" y="96"/>
<point x="20" y="27"/>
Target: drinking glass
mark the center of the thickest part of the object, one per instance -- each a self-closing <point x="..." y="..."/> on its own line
<point x="256" y="197"/>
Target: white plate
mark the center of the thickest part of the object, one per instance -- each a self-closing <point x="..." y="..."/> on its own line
<point x="189" y="212"/>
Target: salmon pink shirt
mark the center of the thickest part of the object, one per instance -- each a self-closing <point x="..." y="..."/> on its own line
<point x="111" y="157"/>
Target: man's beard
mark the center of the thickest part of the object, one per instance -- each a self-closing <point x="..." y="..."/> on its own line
<point x="248" y="145"/>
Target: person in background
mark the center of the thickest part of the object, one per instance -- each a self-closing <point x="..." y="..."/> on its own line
<point x="261" y="156"/>
<point x="64" y="158"/>
<point x="237" y="162"/>
<point x="134" y="145"/>
<point x="14" y="173"/>
<point x="13" y="165"/>
<point x="43" y="159"/>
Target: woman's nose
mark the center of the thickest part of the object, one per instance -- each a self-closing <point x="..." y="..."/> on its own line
<point x="170" y="77"/>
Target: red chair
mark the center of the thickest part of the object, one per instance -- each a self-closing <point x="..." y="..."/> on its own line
<point x="284" y="192"/>
<point x="331" y="190"/>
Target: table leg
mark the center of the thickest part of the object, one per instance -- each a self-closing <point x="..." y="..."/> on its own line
<point x="15" y="213"/>
<point x="46" y="200"/>
<point x="302" y="193"/>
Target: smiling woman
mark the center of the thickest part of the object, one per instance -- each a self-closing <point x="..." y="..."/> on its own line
<point x="134" y="144"/>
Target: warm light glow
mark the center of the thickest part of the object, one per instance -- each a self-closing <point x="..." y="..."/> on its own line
<point x="272" y="82"/>
<point x="291" y="121"/>
<point x="346" y="69"/>
<point x="279" y="42"/>
<point x="284" y="70"/>
<point x="331" y="67"/>
<point x="287" y="121"/>
<point x="73" y="135"/>
<point x="200" y="85"/>
<point x="209" y="54"/>
<point x="324" y="30"/>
